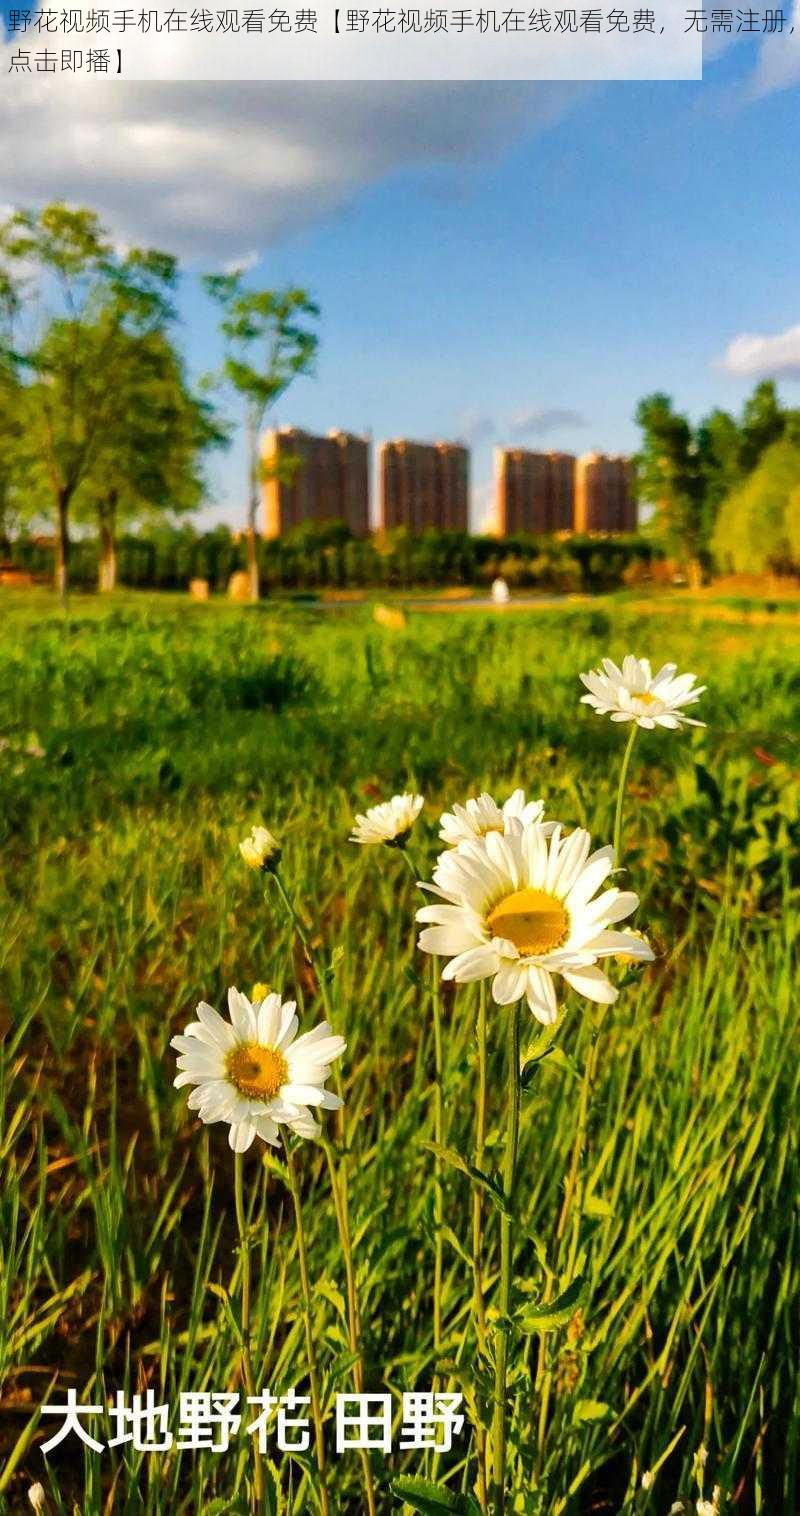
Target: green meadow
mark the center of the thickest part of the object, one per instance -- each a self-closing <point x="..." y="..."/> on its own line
<point x="139" y="741"/>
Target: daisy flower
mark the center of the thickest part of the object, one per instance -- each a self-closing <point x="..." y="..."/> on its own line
<point x="254" y="1071"/>
<point x="635" y="693"/>
<point x="524" y="907"/>
<point x="260" y="850"/>
<point x="483" y="814"/>
<point x="389" y="822"/>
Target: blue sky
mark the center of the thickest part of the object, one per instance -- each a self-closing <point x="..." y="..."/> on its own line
<point x="498" y="268"/>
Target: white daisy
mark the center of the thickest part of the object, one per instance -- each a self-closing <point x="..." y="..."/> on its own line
<point x="483" y="814"/>
<point x="254" y="1071"/>
<point x="635" y="693"/>
<point x="522" y="907"/>
<point x="260" y="850"/>
<point x="389" y="822"/>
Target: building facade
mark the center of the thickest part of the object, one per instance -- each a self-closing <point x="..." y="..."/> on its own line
<point x="423" y="484"/>
<point x="605" y="494"/>
<point x="534" y="491"/>
<point x="309" y="478"/>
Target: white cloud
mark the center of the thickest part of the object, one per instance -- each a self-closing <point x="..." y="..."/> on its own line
<point x="542" y="421"/>
<point x="779" y="59"/>
<point x="753" y="356"/>
<point x="206" y="169"/>
<point x="243" y="264"/>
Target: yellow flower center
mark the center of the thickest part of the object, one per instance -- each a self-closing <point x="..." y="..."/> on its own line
<point x="257" y="1072"/>
<point x="645" y="698"/>
<point x="534" y="921"/>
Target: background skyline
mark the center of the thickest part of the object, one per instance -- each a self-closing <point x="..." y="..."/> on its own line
<point x="511" y="264"/>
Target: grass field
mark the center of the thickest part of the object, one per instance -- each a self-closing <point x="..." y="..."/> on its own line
<point x="140" y="742"/>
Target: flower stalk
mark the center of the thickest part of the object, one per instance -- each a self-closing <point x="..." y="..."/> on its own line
<point x="339" y="1185"/>
<point x="477" y="1221"/>
<point x="506" y="1236"/>
<point x="247" y="1362"/>
<point x="311" y="1353"/>
<point x="623" y="777"/>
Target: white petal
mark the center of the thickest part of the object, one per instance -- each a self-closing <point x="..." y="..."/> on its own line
<point x="509" y="983"/>
<point x="243" y="1019"/>
<point x="542" y="995"/>
<point x="219" y="1030"/>
<point x="592" y="983"/>
<point x="241" y="1135"/>
<point x="477" y="963"/>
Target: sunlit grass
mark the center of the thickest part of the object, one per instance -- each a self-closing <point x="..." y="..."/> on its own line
<point x="166" y="731"/>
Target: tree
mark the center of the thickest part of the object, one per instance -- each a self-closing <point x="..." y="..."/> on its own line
<point x="148" y="458"/>
<point x="763" y="422"/>
<point x="12" y="407"/>
<point x="94" y="298"/>
<point x="719" y="459"/>
<point x="670" y="476"/>
<point x="268" y="344"/>
<point x="757" y="527"/>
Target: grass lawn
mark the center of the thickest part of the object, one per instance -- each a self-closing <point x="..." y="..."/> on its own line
<point x="656" y="1193"/>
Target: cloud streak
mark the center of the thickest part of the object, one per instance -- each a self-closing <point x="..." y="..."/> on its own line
<point x="209" y="169"/>
<point x="539" y="422"/>
<point x="752" y="355"/>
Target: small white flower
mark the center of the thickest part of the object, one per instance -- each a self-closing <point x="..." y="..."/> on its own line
<point x="635" y="693"/>
<point x="260" y="850"/>
<point x="708" y="1507"/>
<point x="522" y="907"/>
<point x="254" y="1071"/>
<point x="36" y="1496"/>
<point x="389" y="822"/>
<point x="647" y="1479"/>
<point x="482" y="814"/>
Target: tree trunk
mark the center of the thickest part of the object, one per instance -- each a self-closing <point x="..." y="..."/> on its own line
<point x="252" y="562"/>
<point x="252" y="510"/>
<point x="107" y="568"/>
<point x="62" y="546"/>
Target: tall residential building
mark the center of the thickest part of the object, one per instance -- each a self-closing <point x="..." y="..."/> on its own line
<point x="605" y="499"/>
<point x="312" y="478"/>
<point x="423" y="484"/>
<point x="535" y="491"/>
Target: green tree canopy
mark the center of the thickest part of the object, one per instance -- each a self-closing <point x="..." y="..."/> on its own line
<point x="92" y="299"/>
<point x="148" y="459"/>
<point x="269" y="342"/>
<point x="758" y="526"/>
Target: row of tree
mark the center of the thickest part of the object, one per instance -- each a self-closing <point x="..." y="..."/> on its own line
<point x="100" y="425"/>
<point x="98" y="420"/>
<point x="313" y="558"/>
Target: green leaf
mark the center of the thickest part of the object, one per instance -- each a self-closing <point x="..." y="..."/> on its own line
<point x="485" y="1181"/>
<point x="595" y="1205"/>
<point x="432" y="1499"/>
<point x="591" y="1410"/>
<point x="543" y="1318"/>
<point x="561" y="1060"/>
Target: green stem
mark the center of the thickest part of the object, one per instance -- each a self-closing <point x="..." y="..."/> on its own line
<point x="477" y="1222"/>
<point x="247" y="1362"/>
<point x="438" y="1137"/>
<point x="623" y="775"/>
<point x="506" y="1221"/>
<point x="339" y="1186"/>
<point x="340" y="1204"/>
<point x="297" y="923"/>
<point x="438" y="1132"/>
<point x="311" y="1354"/>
